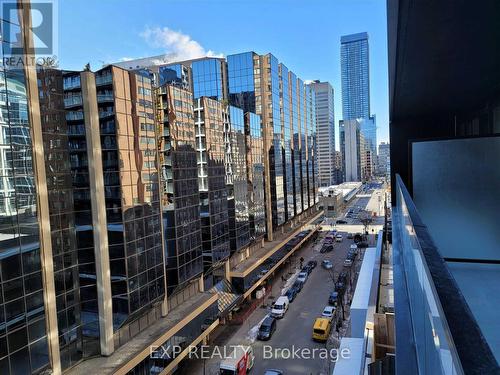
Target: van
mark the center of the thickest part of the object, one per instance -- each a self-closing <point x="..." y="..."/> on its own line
<point x="239" y="362"/>
<point x="280" y="307"/>
<point x="321" y="329"/>
<point x="267" y="328"/>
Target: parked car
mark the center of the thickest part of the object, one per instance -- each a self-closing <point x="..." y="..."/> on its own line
<point x="351" y="254"/>
<point x="339" y="287"/>
<point x="326" y="264"/>
<point x="302" y="277"/>
<point x="291" y="293"/>
<point x="307" y="269"/>
<point x="326" y="249"/>
<point x="341" y="221"/>
<point x="350" y="236"/>
<point x="297" y="285"/>
<point x="332" y="300"/>
<point x="348" y="263"/>
<point x="328" y="312"/>
<point x="338" y="238"/>
<point x="267" y="328"/>
<point x="280" y="307"/>
<point x="312" y="264"/>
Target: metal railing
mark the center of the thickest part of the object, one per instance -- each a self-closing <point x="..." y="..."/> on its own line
<point x="436" y="332"/>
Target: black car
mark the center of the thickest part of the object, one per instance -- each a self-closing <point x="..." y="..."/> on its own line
<point x="332" y="300"/>
<point x="341" y="222"/>
<point x="326" y="249"/>
<point x="312" y="264"/>
<point x="291" y="293"/>
<point x="307" y="269"/>
<point x="298" y="285"/>
<point x="267" y="328"/>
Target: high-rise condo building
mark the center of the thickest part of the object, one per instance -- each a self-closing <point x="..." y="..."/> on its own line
<point x="325" y="124"/>
<point x="355" y="77"/>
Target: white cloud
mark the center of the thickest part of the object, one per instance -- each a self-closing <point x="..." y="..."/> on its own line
<point x="178" y="46"/>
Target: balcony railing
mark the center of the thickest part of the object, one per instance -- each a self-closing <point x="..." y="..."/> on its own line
<point x="105" y="98"/>
<point x="72" y="100"/>
<point x="436" y="332"/>
<point x="104" y="79"/>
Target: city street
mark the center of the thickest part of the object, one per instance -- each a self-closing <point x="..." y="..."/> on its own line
<point x="295" y="329"/>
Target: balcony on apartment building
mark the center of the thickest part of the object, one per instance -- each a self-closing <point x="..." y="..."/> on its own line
<point x="447" y="282"/>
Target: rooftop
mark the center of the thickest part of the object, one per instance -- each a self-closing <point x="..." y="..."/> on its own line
<point x="138" y="348"/>
<point x="260" y="255"/>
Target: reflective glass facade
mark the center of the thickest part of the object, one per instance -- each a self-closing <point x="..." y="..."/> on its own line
<point x="23" y="337"/>
<point x="303" y="143"/>
<point x="128" y="144"/>
<point x="287" y="141"/>
<point x="209" y="78"/>
<point x="238" y="200"/>
<point x="78" y="329"/>
<point x="244" y="81"/>
<point x="180" y="192"/>
<point x="355" y="74"/>
<point x="176" y="74"/>
<point x="272" y="126"/>
<point x="255" y="170"/>
<point x="296" y="153"/>
<point x="210" y="116"/>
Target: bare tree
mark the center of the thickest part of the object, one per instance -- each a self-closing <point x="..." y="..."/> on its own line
<point x="366" y="219"/>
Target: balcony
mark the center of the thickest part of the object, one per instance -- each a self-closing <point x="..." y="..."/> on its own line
<point x="71" y="101"/>
<point x="106" y="113"/>
<point x="101" y="98"/>
<point x="104" y="79"/>
<point x="74" y="116"/>
<point x="436" y="331"/>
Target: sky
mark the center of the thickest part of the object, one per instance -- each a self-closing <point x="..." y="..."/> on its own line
<point x="302" y="34"/>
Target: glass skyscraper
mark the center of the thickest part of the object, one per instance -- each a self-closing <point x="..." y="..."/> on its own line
<point x="354" y="63"/>
<point x="355" y="74"/>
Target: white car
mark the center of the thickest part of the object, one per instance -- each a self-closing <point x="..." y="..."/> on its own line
<point x="328" y="312"/>
<point x="302" y="277"/>
<point x="347" y="263"/>
<point x="338" y="238"/>
<point x="280" y="307"/>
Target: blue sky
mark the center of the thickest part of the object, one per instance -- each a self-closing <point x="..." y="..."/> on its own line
<point x="303" y="34"/>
